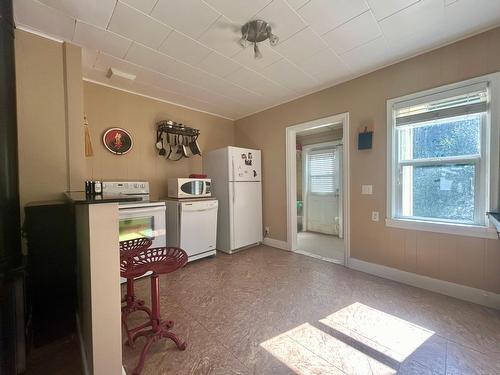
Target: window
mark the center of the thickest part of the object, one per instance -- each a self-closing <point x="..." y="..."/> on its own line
<point x="440" y="143"/>
<point x="322" y="171"/>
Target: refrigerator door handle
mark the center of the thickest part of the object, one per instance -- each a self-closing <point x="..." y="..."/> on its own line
<point x="232" y="169"/>
<point x="234" y="193"/>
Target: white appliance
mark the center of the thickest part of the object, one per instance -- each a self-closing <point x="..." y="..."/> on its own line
<point x="143" y="218"/>
<point x="189" y="187"/>
<point x="192" y="226"/>
<point x="236" y="183"/>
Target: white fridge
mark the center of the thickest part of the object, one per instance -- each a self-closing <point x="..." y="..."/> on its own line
<point x="236" y="183"/>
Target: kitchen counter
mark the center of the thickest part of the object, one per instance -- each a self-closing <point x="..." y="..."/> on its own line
<point x="79" y="197"/>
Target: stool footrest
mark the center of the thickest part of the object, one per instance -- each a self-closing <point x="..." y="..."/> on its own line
<point x="153" y="335"/>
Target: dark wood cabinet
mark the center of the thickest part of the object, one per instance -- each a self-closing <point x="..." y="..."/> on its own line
<point x="51" y="277"/>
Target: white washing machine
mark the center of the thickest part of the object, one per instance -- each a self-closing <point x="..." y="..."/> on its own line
<point x="192" y="226"/>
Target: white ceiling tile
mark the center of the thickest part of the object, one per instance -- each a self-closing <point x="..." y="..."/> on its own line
<point x="44" y="18"/>
<point x="96" y="12"/>
<point x="141" y="55"/>
<point x="301" y="46"/>
<point x="325" y="15"/>
<point x="284" y="21"/>
<point x="90" y="36"/>
<point x="468" y="16"/>
<point x="192" y="17"/>
<point x="145" y="6"/>
<point x="138" y="26"/>
<point x="288" y="75"/>
<point x="218" y="64"/>
<point x="238" y="11"/>
<point x="367" y="57"/>
<point x="385" y="8"/>
<point x="183" y="48"/>
<point x="354" y="33"/>
<point x="246" y="57"/>
<point x="296" y="4"/>
<point x="104" y="62"/>
<point x="413" y="20"/>
<point x="325" y="66"/>
<point x="223" y="36"/>
<point x="252" y="81"/>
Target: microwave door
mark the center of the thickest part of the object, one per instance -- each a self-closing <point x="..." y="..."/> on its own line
<point x="193" y="188"/>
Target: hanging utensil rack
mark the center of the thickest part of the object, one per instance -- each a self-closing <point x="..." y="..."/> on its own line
<point x="176" y="135"/>
<point x="167" y="126"/>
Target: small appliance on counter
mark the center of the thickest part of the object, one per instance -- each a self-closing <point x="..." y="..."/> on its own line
<point x="236" y="183"/>
<point x="143" y="218"/>
<point x="189" y="187"/>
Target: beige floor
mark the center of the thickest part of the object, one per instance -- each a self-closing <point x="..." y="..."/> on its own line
<point x="267" y="311"/>
<point x="323" y="245"/>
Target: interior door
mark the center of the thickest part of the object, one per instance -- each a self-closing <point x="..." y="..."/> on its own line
<point x="322" y="175"/>
<point x="246" y="213"/>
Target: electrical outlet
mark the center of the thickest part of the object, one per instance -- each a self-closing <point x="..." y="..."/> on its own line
<point x="375" y="216"/>
<point x="266" y="231"/>
<point x="367" y="189"/>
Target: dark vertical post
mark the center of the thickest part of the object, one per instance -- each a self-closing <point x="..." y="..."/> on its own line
<point x="10" y="243"/>
<point x="12" y="351"/>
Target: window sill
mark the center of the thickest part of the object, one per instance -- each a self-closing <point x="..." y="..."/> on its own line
<point x="448" y="228"/>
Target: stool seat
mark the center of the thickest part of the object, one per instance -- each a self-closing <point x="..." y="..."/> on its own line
<point x="158" y="260"/>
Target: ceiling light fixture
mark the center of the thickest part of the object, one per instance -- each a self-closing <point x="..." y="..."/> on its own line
<point x="257" y="31"/>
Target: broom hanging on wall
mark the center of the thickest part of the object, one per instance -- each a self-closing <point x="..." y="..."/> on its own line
<point x="88" y="141"/>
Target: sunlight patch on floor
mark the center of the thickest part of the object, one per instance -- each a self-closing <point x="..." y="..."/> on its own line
<point x="308" y="350"/>
<point x="385" y="333"/>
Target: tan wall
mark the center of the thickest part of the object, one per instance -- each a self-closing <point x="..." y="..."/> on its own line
<point x="469" y="261"/>
<point x="106" y="107"/>
<point x="49" y="113"/>
<point x="41" y="118"/>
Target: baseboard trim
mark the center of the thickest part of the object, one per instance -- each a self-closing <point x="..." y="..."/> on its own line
<point x="82" y="347"/>
<point x="466" y="293"/>
<point x="283" y="245"/>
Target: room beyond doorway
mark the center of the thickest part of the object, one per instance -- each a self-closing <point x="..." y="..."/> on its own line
<point x="317" y="162"/>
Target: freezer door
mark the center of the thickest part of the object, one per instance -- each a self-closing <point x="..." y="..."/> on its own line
<point x="198" y="227"/>
<point x="245" y="164"/>
<point x="246" y="213"/>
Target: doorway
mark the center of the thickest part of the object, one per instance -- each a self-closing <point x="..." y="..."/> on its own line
<point x="317" y="188"/>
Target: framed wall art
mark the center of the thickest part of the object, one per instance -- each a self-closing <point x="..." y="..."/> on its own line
<point x="117" y="141"/>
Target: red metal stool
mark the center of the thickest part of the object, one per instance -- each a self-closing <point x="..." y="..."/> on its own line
<point x="159" y="260"/>
<point x="128" y="250"/>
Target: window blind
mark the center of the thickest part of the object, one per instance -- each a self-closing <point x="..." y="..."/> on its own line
<point x="459" y="105"/>
<point x="322" y="172"/>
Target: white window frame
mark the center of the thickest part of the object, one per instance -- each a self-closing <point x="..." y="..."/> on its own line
<point x="487" y="194"/>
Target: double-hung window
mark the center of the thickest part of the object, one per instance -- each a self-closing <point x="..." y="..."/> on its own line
<point x="443" y="157"/>
<point x="322" y="171"/>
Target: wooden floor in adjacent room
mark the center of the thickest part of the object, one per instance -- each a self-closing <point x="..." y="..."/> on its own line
<point x="267" y="311"/>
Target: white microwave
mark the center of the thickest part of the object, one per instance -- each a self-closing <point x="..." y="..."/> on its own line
<point x="189" y="187"/>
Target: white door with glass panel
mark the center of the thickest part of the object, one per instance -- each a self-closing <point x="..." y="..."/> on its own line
<point x="322" y="203"/>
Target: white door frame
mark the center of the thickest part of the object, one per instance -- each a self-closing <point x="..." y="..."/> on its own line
<point x="291" y="177"/>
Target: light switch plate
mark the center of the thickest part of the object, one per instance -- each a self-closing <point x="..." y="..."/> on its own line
<point x="375" y="216"/>
<point x="367" y="189"/>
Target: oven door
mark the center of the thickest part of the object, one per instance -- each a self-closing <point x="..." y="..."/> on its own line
<point x="141" y="222"/>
